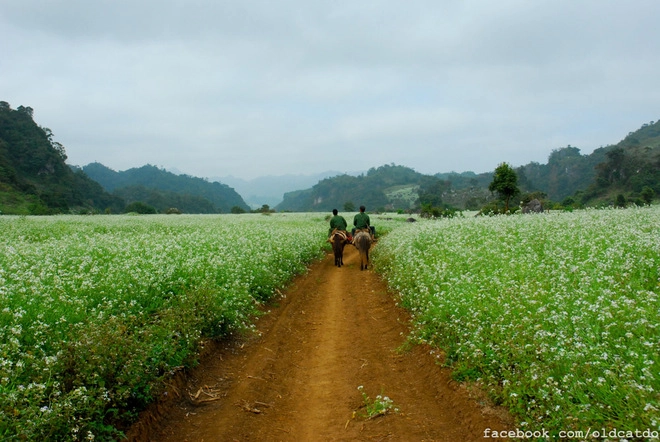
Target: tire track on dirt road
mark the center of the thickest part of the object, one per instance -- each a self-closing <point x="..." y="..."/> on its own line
<point x="297" y="379"/>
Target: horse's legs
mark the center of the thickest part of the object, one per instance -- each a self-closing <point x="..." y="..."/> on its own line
<point x="338" y="250"/>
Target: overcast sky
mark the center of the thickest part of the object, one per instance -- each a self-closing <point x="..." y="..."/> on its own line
<point x="251" y="88"/>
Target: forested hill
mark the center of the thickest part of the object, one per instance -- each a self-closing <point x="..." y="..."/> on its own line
<point x="630" y="170"/>
<point x="34" y="178"/>
<point x="566" y="172"/>
<point x="162" y="189"/>
<point x="388" y="186"/>
<point x="392" y="187"/>
<point x="624" y="170"/>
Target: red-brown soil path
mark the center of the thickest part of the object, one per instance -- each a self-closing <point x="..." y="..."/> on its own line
<point x="297" y="378"/>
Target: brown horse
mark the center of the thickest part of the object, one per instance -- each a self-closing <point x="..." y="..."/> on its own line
<point x="362" y="242"/>
<point x="338" y="239"/>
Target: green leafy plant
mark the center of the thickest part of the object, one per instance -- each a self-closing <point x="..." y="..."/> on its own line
<point x="379" y="406"/>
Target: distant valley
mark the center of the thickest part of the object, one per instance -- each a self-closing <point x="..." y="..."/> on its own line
<point x="270" y="189"/>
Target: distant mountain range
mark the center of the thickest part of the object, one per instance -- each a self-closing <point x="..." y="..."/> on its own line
<point x="165" y="190"/>
<point x="628" y="171"/>
<point x="35" y="179"/>
<point x="386" y="188"/>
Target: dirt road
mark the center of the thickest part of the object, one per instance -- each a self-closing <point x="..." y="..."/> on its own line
<point x="333" y="330"/>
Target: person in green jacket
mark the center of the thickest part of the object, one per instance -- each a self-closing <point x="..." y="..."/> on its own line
<point x="337" y="222"/>
<point x="362" y="221"/>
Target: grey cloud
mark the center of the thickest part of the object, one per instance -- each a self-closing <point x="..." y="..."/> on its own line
<point x="261" y="87"/>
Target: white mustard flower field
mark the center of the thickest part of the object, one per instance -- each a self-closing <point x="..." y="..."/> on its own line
<point x="95" y="310"/>
<point x="556" y="314"/>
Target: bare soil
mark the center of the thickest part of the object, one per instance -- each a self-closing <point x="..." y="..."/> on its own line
<point x="297" y="378"/>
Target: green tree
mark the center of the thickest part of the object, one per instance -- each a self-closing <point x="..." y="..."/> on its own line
<point x="140" y="207"/>
<point x="621" y="200"/>
<point x="505" y="183"/>
<point x="349" y="206"/>
<point x="647" y="194"/>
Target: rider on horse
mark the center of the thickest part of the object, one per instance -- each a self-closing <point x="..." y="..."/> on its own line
<point x="337" y="222"/>
<point x="361" y="221"/>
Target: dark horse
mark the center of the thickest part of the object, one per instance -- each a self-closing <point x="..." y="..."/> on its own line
<point x="338" y="239"/>
<point x="362" y="242"/>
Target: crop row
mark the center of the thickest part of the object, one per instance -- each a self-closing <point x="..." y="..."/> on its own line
<point x="557" y="315"/>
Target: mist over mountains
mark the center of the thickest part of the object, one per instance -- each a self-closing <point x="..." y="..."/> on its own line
<point x="270" y="189"/>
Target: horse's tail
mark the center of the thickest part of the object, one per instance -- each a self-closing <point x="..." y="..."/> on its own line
<point x="362" y="240"/>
